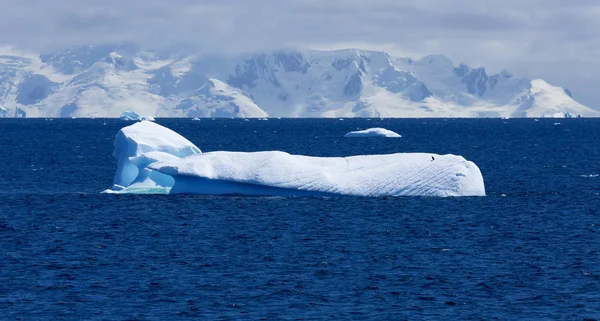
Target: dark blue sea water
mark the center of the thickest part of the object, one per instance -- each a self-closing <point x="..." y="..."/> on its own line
<point x="530" y="250"/>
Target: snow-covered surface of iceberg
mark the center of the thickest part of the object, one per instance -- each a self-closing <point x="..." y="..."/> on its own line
<point x="373" y="132"/>
<point x="277" y="173"/>
<point x="154" y="159"/>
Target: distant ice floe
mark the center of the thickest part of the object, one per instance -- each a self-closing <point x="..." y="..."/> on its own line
<point x="373" y="132"/>
<point x="590" y="175"/>
<point x="154" y="159"/>
<point x="562" y="115"/>
<point x="131" y="115"/>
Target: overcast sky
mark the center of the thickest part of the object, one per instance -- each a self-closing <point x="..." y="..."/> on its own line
<point x="558" y="40"/>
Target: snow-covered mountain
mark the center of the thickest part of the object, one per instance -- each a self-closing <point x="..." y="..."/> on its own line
<point x="104" y="81"/>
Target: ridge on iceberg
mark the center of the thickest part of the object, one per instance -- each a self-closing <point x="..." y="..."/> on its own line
<point x="373" y="132"/>
<point x="154" y="159"/>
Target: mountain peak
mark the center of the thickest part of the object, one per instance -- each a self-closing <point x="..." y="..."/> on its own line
<point x="437" y="61"/>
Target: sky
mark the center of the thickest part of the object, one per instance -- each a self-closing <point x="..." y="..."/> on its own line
<point x="557" y="40"/>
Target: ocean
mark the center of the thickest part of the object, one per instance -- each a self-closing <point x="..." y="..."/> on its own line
<point x="529" y="250"/>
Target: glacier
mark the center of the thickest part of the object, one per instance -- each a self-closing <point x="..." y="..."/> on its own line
<point x="373" y="132"/>
<point x="104" y="81"/>
<point x="156" y="160"/>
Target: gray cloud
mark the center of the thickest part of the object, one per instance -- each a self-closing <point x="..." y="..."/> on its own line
<point x="553" y="39"/>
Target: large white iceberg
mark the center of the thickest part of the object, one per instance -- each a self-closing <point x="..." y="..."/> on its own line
<point x="153" y="159"/>
<point x="373" y="132"/>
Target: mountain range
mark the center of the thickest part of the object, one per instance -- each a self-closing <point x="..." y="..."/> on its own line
<point x="104" y="81"/>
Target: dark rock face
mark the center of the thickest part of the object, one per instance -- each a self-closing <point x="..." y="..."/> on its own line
<point x="354" y="85"/>
<point x="291" y="61"/>
<point x="253" y="69"/>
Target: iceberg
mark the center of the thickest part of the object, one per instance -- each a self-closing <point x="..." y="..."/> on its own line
<point x="131" y="115"/>
<point x="141" y="144"/>
<point x="154" y="159"/>
<point x="3" y="112"/>
<point x="279" y="173"/>
<point x="373" y="132"/>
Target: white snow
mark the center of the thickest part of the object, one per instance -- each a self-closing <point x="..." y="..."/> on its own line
<point x="373" y="132"/>
<point x="279" y="173"/>
<point x="545" y="100"/>
<point x="141" y="144"/>
<point x="154" y="159"/>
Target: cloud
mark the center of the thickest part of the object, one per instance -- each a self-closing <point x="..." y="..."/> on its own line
<point x="539" y="38"/>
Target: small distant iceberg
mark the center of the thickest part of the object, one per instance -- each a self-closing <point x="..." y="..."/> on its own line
<point x="562" y="115"/>
<point x="131" y="115"/>
<point x="152" y="159"/>
<point x="196" y="118"/>
<point x="3" y="112"/>
<point x="373" y="132"/>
